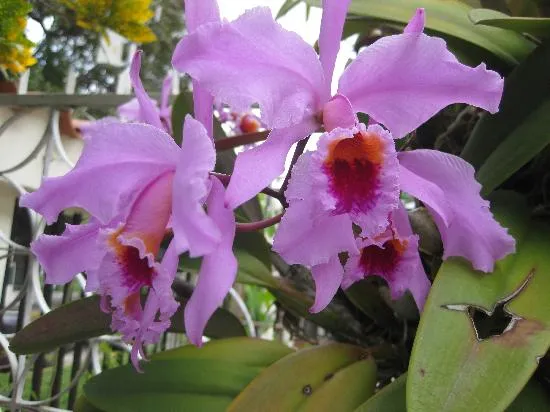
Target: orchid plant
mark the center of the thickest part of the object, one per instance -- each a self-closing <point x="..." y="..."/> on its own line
<point x="344" y="218"/>
<point x="154" y="205"/>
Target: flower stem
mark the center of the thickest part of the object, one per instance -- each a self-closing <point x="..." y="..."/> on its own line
<point x="261" y="224"/>
<point x="300" y="147"/>
<point x="240" y="140"/>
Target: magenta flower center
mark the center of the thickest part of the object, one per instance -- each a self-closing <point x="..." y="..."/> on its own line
<point x="383" y="260"/>
<point x="353" y="168"/>
<point x="135" y="270"/>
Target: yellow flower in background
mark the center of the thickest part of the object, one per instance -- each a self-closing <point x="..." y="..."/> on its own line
<point x="126" y="17"/>
<point x="15" y="48"/>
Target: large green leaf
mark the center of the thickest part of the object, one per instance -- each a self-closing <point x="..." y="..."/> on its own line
<point x="183" y="379"/>
<point x="450" y="19"/>
<point x="455" y="364"/>
<point x="392" y="398"/>
<point x="174" y="385"/>
<point x="526" y="90"/>
<point x="305" y="376"/>
<point x="537" y="26"/>
<point x="518" y="148"/>
<point x="83" y="319"/>
<point x="245" y="351"/>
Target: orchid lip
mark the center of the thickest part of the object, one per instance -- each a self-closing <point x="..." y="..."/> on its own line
<point x="353" y="168"/>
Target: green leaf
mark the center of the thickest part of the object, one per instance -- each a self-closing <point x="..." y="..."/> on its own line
<point x="537" y="26"/>
<point x="65" y="325"/>
<point x="174" y="385"/>
<point x="250" y="271"/>
<point x="61" y="326"/>
<point x="255" y="244"/>
<point x="82" y="404"/>
<point x="186" y="378"/>
<point x="345" y="390"/>
<point x="183" y="105"/>
<point x="518" y="148"/>
<point x="525" y="91"/>
<point x="244" y="351"/>
<point x="365" y="295"/>
<point x="253" y="271"/>
<point x="455" y="363"/>
<point x="289" y="383"/>
<point x="286" y="7"/>
<point x="450" y="19"/>
<point x="532" y="398"/>
<point x="390" y="399"/>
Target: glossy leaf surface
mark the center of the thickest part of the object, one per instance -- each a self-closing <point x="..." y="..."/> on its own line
<point x="457" y="364"/>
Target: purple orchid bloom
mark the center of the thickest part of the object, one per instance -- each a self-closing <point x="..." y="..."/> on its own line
<point x="401" y="81"/>
<point x="136" y="183"/>
<point x="133" y="111"/>
<point x="355" y="176"/>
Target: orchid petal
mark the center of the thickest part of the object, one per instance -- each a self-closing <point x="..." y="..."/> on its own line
<point x="361" y="167"/>
<point x="306" y="239"/>
<point x="254" y="60"/>
<point x="416" y="280"/>
<point x="412" y="67"/>
<point x="75" y="251"/>
<point x="218" y="270"/>
<point x="149" y="215"/>
<point x="328" y="277"/>
<point x="199" y="12"/>
<point x="395" y="258"/>
<point x="131" y="111"/>
<point x="165" y="109"/>
<point x="472" y="232"/>
<point x="257" y="167"/>
<point x="417" y="22"/>
<point x="165" y="92"/>
<point x="203" y="104"/>
<point x="332" y="24"/>
<point x="148" y="111"/>
<point x="196" y="14"/>
<point x="116" y="161"/>
<point x="338" y="112"/>
<point x="193" y="228"/>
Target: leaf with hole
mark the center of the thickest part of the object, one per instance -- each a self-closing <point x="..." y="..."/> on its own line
<point x="457" y="353"/>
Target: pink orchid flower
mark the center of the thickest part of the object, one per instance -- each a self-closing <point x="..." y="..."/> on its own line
<point x="355" y="176"/>
<point x="136" y="183"/>
<point x="401" y="81"/>
<point x="132" y="111"/>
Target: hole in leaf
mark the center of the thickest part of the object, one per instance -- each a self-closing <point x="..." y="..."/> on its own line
<point x="488" y="325"/>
